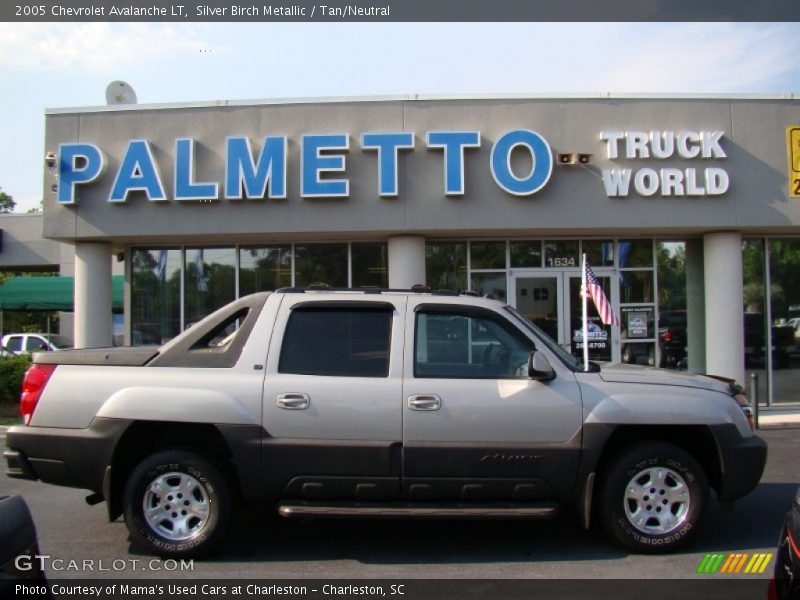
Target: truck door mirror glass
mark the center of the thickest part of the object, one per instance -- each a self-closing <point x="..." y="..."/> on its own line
<point x="539" y="367"/>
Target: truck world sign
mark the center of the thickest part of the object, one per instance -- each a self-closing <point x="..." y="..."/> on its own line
<point x="264" y="174"/>
<point x="668" y="181"/>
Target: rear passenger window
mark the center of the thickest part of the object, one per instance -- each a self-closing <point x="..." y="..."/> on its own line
<point x="15" y="344"/>
<point x="339" y="342"/>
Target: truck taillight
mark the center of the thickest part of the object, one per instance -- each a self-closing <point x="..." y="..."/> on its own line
<point x="32" y="387"/>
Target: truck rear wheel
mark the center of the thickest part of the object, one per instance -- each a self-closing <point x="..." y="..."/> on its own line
<point x="653" y="496"/>
<point x="177" y="504"/>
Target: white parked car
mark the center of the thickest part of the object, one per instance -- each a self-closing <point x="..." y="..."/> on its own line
<point x="25" y="343"/>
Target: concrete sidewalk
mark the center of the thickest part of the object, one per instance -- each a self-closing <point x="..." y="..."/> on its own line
<point x="775" y="416"/>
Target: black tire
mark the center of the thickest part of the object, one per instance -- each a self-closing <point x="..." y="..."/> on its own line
<point x="190" y="517"/>
<point x="660" y="522"/>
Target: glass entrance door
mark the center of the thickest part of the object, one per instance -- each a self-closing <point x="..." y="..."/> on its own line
<point x="552" y="300"/>
<point x="599" y="336"/>
<point x="540" y="299"/>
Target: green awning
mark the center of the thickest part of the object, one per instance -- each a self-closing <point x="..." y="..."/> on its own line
<point x="49" y="293"/>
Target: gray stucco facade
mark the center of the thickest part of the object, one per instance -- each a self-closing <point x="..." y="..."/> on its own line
<point x="574" y="201"/>
<point x="24" y="249"/>
<point x="709" y="171"/>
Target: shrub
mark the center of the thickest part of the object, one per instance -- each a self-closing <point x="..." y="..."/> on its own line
<point x="12" y="371"/>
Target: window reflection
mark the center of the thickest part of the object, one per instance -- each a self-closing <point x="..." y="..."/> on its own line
<point x="264" y="269"/>
<point x="209" y="279"/>
<point x="155" y="295"/>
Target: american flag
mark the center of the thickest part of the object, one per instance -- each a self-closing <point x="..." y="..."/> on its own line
<point x="595" y="291"/>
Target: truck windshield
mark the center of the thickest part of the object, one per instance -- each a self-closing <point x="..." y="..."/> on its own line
<point x="569" y="360"/>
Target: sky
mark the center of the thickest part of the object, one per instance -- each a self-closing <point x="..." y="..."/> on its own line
<point x="49" y="65"/>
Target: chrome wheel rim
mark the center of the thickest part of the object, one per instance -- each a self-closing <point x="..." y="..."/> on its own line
<point x="175" y="506"/>
<point x="657" y="501"/>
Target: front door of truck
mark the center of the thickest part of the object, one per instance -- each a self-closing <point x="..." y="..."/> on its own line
<point x="475" y="426"/>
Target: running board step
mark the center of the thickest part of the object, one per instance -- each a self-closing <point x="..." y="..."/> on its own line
<point x="542" y="510"/>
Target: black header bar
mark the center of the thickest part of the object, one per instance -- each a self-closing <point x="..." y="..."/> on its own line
<point x="400" y="10"/>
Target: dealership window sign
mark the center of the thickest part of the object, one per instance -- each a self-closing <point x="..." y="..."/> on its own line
<point x="251" y="174"/>
<point x="652" y="146"/>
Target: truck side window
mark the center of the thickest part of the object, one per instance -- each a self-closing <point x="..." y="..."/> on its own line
<point x="464" y="346"/>
<point x="343" y="342"/>
<point x="15" y="343"/>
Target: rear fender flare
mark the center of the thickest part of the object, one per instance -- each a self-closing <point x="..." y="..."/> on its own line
<point x="185" y="405"/>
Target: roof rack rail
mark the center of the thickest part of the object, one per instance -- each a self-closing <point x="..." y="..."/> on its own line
<point x="414" y="289"/>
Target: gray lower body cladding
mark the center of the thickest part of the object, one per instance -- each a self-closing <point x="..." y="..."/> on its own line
<point x="743" y="461"/>
<point x="270" y="468"/>
<point x="69" y="457"/>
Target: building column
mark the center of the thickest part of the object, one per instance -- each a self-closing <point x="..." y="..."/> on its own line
<point x="722" y="264"/>
<point x="93" y="327"/>
<point x="695" y="307"/>
<point x="406" y="261"/>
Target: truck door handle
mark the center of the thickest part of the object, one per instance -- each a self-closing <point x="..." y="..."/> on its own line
<point x="294" y="401"/>
<point x="424" y="402"/>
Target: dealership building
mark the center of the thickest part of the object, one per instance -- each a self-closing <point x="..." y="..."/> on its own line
<point x="687" y="208"/>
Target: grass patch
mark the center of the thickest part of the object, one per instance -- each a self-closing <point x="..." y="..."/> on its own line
<point x="10" y="421"/>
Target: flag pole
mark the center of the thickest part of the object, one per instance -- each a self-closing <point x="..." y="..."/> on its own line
<point x="585" y="316"/>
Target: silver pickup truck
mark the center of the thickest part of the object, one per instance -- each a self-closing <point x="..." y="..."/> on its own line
<point x="379" y="404"/>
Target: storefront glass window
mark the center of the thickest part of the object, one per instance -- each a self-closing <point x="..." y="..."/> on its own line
<point x="635" y="253"/>
<point x="784" y="271"/>
<point x="561" y="254"/>
<point x="369" y="265"/>
<point x="320" y="263"/>
<point x="636" y="286"/>
<point x="490" y="284"/>
<point x="446" y="265"/>
<point x="672" y="336"/>
<point x="264" y="269"/>
<point x="599" y="253"/>
<point x="527" y="254"/>
<point x="754" y="315"/>
<point x="209" y="281"/>
<point x="487" y="255"/>
<point x="155" y="295"/>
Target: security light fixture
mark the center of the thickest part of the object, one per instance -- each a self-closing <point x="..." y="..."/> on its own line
<point x="574" y="158"/>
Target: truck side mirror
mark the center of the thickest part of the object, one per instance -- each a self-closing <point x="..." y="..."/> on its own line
<point x="539" y="368"/>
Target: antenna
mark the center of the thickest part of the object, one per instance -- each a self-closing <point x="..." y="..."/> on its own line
<point x="119" y="92"/>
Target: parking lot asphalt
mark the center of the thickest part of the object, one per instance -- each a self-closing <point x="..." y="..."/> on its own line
<point x="264" y="546"/>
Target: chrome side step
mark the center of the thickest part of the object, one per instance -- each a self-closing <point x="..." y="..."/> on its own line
<point x="543" y="510"/>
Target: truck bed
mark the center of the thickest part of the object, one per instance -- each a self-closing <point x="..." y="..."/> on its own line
<point x="118" y="357"/>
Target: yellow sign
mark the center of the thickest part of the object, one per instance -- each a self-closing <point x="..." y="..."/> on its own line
<point x="793" y="152"/>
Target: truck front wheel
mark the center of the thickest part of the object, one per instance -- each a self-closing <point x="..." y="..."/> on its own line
<point x="653" y="496"/>
<point x="177" y="504"/>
